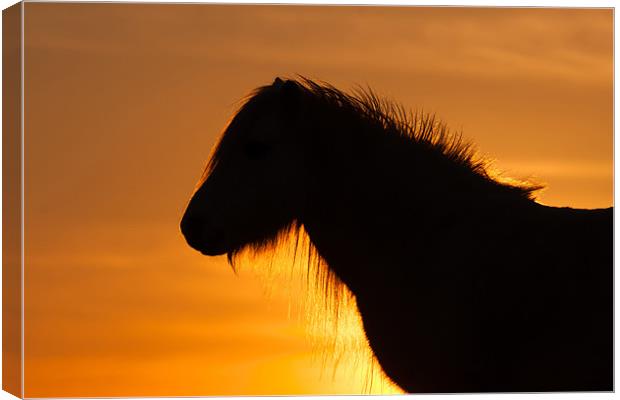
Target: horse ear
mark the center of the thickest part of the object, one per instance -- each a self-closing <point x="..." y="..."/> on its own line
<point x="290" y="96"/>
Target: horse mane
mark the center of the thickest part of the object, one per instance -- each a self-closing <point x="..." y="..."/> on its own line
<point x="417" y="127"/>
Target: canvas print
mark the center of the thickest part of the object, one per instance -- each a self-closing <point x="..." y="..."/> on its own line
<point x="226" y="200"/>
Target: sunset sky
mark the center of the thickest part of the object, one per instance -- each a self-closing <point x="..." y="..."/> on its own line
<point x="123" y="104"/>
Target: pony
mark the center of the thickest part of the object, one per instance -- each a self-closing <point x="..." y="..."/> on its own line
<point x="464" y="283"/>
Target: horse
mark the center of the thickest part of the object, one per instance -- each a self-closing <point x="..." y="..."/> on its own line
<point x="464" y="283"/>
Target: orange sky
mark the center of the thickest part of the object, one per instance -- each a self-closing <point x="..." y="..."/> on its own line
<point x="123" y="104"/>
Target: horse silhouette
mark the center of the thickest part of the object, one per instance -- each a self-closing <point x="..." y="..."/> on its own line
<point x="464" y="283"/>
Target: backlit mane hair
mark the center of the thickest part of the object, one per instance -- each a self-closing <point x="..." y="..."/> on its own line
<point x="420" y="128"/>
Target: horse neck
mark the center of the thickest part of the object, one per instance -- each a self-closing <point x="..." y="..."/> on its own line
<point x="353" y="164"/>
<point x="369" y="193"/>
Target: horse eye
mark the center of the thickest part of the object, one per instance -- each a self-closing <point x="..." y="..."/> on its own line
<point x="256" y="150"/>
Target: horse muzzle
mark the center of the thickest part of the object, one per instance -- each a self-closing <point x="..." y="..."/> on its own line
<point x="203" y="236"/>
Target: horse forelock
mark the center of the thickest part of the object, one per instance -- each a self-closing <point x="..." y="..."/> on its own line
<point x="221" y="148"/>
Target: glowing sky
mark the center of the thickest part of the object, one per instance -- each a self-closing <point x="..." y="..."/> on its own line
<point x="123" y="104"/>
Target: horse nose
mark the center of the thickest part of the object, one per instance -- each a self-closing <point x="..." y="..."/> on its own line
<point x="201" y="234"/>
<point x="191" y="227"/>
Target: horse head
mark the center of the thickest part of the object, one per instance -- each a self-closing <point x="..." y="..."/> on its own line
<point x="247" y="193"/>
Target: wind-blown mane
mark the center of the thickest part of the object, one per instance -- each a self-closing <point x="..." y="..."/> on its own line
<point x="394" y="119"/>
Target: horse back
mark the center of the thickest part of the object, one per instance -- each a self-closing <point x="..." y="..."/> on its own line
<point x="566" y="320"/>
<point x="530" y="308"/>
<point x="580" y="242"/>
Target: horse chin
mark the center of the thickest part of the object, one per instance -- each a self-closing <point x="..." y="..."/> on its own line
<point x="212" y="249"/>
<point x="212" y="252"/>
